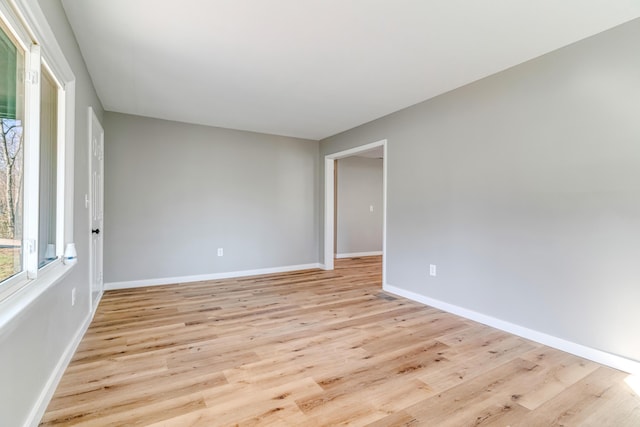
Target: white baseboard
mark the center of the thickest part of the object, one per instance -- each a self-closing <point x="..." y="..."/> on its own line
<point x="38" y="410"/>
<point x="205" y="277"/>
<point x="358" y="254"/>
<point x="599" y="356"/>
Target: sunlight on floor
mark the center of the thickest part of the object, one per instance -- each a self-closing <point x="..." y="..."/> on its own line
<point x="633" y="381"/>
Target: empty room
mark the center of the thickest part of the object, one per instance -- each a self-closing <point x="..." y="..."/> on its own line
<point x="318" y="213"/>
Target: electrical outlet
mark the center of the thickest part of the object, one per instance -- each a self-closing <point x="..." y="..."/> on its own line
<point x="73" y="297"/>
<point x="220" y="252"/>
<point x="432" y="270"/>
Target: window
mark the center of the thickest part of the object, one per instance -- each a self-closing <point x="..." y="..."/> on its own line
<point x="31" y="159"/>
<point x="11" y="154"/>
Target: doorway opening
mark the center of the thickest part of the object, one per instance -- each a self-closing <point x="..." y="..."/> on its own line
<point x="329" y="202"/>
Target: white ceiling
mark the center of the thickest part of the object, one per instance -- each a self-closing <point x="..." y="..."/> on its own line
<point x="313" y="68"/>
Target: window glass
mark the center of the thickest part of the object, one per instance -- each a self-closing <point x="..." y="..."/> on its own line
<point x="48" y="168"/>
<point x="11" y="155"/>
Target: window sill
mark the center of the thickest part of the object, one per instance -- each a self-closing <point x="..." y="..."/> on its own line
<point x="16" y="303"/>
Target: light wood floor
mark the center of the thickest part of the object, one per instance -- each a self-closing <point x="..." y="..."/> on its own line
<point x="319" y="348"/>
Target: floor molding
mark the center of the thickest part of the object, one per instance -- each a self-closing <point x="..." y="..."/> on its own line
<point x="358" y="254"/>
<point x="205" y="277"/>
<point x="599" y="356"/>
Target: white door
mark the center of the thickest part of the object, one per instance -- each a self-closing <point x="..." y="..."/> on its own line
<point x="96" y="197"/>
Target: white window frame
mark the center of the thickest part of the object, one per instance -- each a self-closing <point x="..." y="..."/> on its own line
<point x="31" y="150"/>
<point x="29" y="26"/>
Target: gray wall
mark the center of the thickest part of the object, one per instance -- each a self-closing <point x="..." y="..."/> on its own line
<point x="34" y="342"/>
<point x="176" y="192"/>
<point x="359" y="187"/>
<point x="524" y="189"/>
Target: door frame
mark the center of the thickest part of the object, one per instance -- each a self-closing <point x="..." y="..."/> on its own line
<point x="329" y="206"/>
<point x="93" y="118"/>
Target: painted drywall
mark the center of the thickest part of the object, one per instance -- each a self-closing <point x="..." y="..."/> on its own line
<point x="524" y="189"/>
<point x="176" y="192"/>
<point x="34" y="342"/>
<point x="359" y="188"/>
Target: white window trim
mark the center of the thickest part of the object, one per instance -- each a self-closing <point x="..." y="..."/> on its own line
<point x="28" y="23"/>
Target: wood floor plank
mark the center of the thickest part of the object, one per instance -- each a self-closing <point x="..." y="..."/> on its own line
<point x="563" y="371"/>
<point x="599" y="399"/>
<point x="317" y="348"/>
<point x="467" y="401"/>
<point x="400" y="418"/>
<point x="463" y="366"/>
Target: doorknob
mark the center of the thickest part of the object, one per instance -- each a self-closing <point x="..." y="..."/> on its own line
<point x="96" y="231"/>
